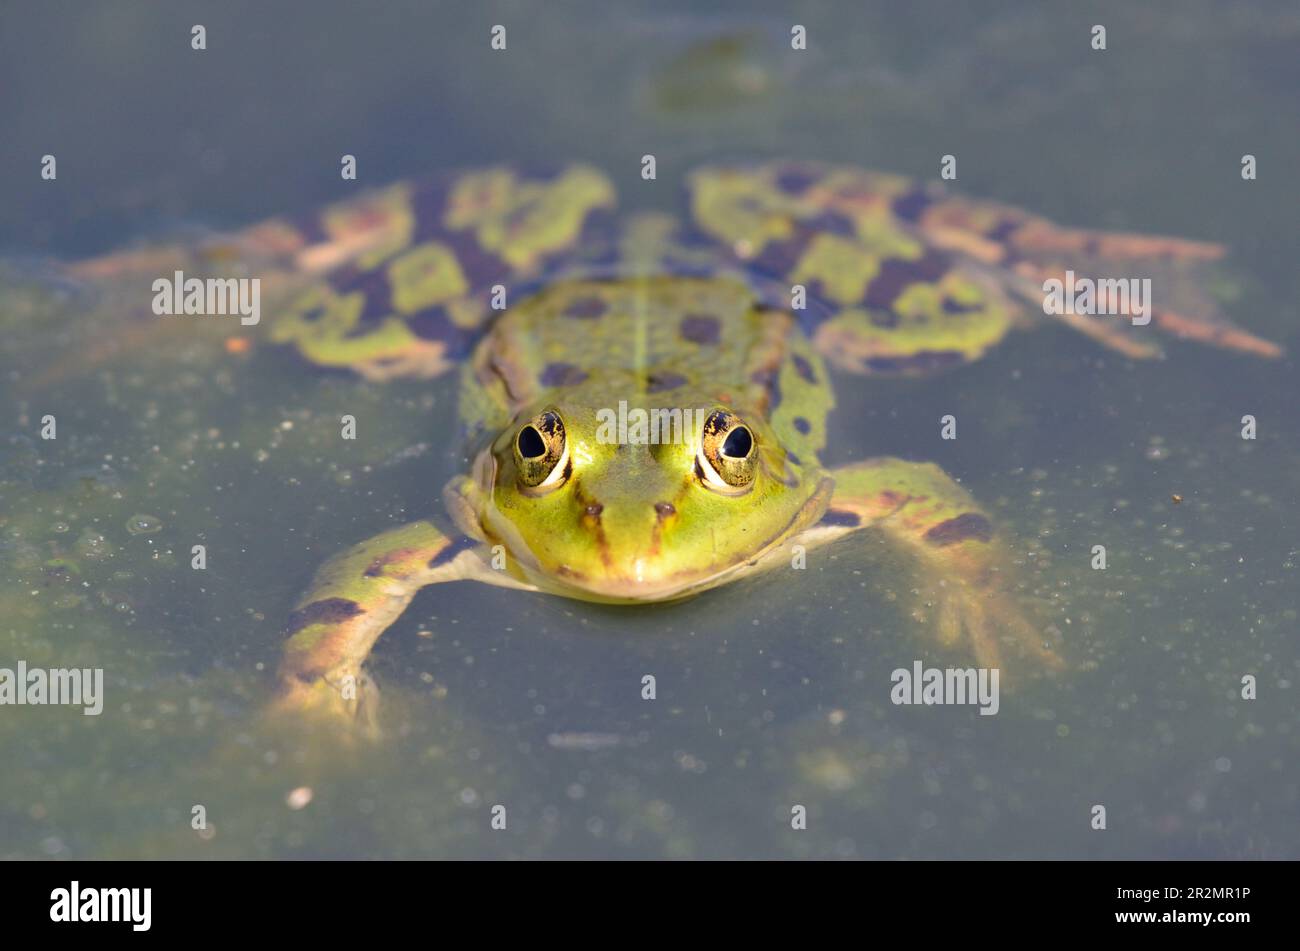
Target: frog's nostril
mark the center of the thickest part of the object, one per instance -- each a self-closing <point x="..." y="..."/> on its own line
<point x="665" y="509"/>
<point x="594" y="509"/>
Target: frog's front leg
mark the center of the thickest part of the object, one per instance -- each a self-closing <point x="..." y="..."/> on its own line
<point x="966" y="566"/>
<point x="354" y="598"/>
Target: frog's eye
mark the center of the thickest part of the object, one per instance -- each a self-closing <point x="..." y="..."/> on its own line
<point x="728" y="453"/>
<point x="541" y="451"/>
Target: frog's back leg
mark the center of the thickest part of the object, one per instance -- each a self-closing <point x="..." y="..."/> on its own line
<point x="964" y="572"/>
<point x="395" y="281"/>
<point x="902" y="278"/>
<point x="415" y="304"/>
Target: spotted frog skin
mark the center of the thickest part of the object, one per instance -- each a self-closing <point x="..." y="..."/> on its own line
<point x="555" y="311"/>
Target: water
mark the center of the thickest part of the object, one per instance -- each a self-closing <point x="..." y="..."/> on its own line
<point x="770" y="693"/>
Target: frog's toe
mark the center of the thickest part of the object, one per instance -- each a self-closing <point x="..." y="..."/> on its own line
<point x="350" y="705"/>
<point x="1006" y="621"/>
<point x="994" y="621"/>
<point x="985" y="622"/>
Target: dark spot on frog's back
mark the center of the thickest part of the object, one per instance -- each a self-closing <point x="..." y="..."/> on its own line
<point x="701" y="329"/>
<point x="841" y="517"/>
<point x="562" y="374"/>
<point x="461" y="544"/>
<point x="433" y="323"/>
<point x="311" y="228"/>
<point x="586" y="308"/>
<point x="375" y="289"/>
<point x="480" y="266"/>
<point x="951" y="306"/>
<point x="781" y="257"/>
<point x="832" y="223"/>
<point x="325" y="611"/>
<point x="794" y="180"/>
<point x="662" y="380"/>
<point x="804" y="369"/>
<point x="428" y="202"/>
<point x="897" y="273"/>
<point x="966" y="527"/>
<point x="802" y="425"/>
<point x="912" y="205"/>
<point x="1003" y="230"/>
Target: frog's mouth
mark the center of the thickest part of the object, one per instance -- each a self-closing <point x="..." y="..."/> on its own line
<point x="640" y="580"/>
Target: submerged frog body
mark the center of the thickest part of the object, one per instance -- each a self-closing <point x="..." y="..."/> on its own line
<point x="723" y="328"/>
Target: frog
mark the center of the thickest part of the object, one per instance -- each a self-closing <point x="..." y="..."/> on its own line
<point x="740" y="311"/>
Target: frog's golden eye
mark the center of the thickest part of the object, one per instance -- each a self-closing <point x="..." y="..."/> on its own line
<point x="727" y="459"/>
<point x="541" y="451"/>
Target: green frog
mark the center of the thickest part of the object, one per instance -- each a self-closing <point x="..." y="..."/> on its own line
<point x="711" y="338"/>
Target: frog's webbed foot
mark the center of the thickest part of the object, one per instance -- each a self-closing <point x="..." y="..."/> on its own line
<point x="1023" y="251"/>
<point x="984" y="617"/>
<point x="963" y="591"/>
<point x="346" y="702"/>
<point x="355" y="597"/>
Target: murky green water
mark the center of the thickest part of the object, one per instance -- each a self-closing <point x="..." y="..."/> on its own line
<point x="771" y="693"/>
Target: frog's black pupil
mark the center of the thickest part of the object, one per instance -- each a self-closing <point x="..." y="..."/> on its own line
<point x="531" y="444"/>
<point x="738" y="443"/>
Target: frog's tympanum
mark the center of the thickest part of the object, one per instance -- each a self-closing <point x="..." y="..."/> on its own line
<point x="645" y="399"/>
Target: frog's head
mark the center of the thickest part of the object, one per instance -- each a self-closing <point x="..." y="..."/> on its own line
<point x="592" y="507"/>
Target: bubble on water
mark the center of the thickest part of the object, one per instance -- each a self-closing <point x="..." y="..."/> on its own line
<point x="299" y="798"/>
<point x="1222" y="764"/>
<point x="143" y="524"/>
<point x="60" y="528"/>
<point x="92" y="545"/>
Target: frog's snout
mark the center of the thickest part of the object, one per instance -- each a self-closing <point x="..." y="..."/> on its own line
<point x="629" y="539"/>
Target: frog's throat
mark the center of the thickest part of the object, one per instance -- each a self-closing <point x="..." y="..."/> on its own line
<point x="470" y="507"/>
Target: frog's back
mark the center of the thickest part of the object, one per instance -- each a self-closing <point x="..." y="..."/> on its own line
<point x="650" y="334"/>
